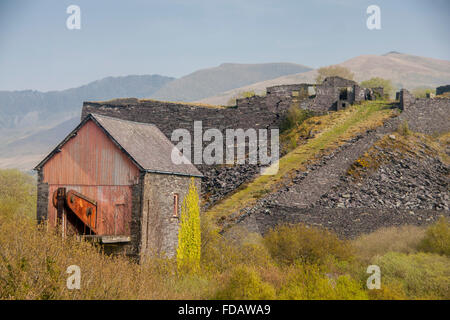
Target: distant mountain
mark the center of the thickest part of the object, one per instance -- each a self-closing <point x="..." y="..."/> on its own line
<point x="405" y="71"/>
<point x="31" y="121"/>
<point x="28" y="108"/>
<point x="208" y="82"/>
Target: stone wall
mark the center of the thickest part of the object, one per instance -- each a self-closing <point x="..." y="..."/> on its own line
<point x="442" y="89"/>
<point x="133" y="249"/>
<point x="170" y="116"/>
<point x="159" y="226"/>
<point x="42" y="199"/>
<point x="406" y="99"/>
<point x="430" y="116"/>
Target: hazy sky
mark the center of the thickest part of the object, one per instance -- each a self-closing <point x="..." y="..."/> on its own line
<point x="174" y="38"/>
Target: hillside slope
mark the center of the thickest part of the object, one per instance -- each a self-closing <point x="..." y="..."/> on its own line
<point x="405" y="71"/>
<point x="357" y="170"/>
<point x="208" y="82"/>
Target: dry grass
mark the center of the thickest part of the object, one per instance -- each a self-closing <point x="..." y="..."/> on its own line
<point x="33" y="263"/>
<point x="404" y="239"/>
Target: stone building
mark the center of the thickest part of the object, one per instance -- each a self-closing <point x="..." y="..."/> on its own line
<point x="128" y="188"/>
<point x="442" y="89"/>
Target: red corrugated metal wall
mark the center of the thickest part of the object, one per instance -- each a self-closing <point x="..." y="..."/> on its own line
<point x="90" y="163"/>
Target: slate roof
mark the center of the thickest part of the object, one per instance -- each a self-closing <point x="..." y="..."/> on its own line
<point x="143" y="143"/>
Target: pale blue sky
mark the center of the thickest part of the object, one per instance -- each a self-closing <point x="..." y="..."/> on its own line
<point x="175" y="38"/>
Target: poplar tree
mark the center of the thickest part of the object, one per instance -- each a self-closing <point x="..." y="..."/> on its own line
<point x="189" y="236"/>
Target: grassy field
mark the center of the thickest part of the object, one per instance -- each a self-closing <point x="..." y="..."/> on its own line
<point x="330" y="131"/>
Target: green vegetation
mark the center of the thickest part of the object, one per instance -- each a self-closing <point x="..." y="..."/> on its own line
<point x="437" y="238"/>
<point x="290" y="262"/>
<point x="17" y="193"/>
<point x="246" y="284"/>
<point x="380" y="82"/>
<point x="294" y="117"/>
<point x="333" y="71"/>
<point x="422" y="92"/>
<point x="403" y="129"/>
<point x="310" y="283"/>
<point x="189" y="236"/>
<point x="299" y="243"/>
<point x="419" y="276"/>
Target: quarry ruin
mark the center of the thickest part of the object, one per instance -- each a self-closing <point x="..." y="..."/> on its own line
<point x="429" y="115"/>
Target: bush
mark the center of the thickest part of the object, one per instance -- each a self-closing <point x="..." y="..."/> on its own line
<point x="310" y="283"/>
<point x="294" y="117"/>
<point x="245" y="284"/>
<point x="420" y="275"/>
<point x="375" y="82"/>
<point x="289" y="244"/>
<point x="437" y="238"/>
<point x="403" y="129"/>
<point x="220" y="254"/>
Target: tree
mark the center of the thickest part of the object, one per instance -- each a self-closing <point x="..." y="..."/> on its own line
<point x="189" y="234"/>
<point x="333" y="71"/>
<point x="379" y="82"/>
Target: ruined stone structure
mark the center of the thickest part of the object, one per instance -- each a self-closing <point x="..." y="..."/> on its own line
<point x="257" y="112"/>
<point x="426" y="115"/>
<point x="333" y="94"/>
<point x="442" y="89"/>
<point x="261" y="112"/>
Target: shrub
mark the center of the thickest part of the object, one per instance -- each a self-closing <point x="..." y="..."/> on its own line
<point x="420" y="275"/>
<point x="437" y="238"/>
<point x="388" y="88"/>
<point x="244" y="283"/>
<point x="221" y="254"/>
<point x="288" y="244"/>
<point x="392" y="291"/>
<point x="403" y="129"/>
<point x="294" y="117"/>
<point x="189" y="235"/>
<point x="309" y="282"/>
